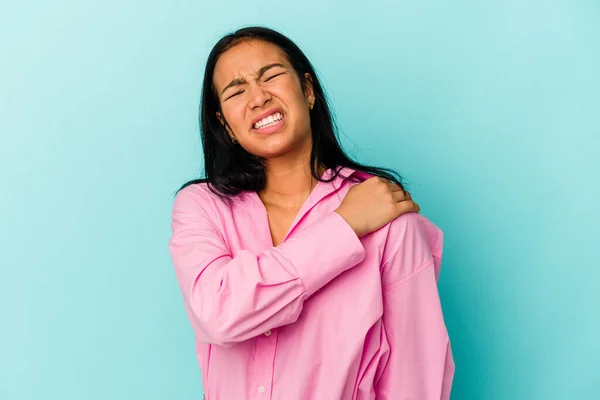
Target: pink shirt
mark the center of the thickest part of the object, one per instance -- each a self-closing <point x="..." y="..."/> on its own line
<point x="324" y="315"/>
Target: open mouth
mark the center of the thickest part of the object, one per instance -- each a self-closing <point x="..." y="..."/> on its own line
<point x="270" y="123"/>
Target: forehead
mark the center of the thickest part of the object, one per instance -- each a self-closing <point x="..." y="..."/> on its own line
<point x="245" y="59"/>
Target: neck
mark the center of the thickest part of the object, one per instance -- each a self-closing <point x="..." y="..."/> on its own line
<point x="289" y="181"/>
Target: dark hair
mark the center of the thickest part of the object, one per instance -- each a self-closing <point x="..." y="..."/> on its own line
<point x="229" y="169"/>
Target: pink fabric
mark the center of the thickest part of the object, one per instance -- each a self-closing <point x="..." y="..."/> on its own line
<point x="323" y="316"/>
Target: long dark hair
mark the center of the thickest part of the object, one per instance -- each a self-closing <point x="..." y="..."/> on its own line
<point x="229" y="169"/>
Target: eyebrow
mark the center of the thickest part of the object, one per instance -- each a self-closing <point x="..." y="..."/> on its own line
<point x="261" y="72"/>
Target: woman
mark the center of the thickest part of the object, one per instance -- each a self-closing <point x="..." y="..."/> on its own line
<point x="305" y="275"/>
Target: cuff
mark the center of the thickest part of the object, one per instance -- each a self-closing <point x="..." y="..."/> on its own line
<point x="330" y="247"/>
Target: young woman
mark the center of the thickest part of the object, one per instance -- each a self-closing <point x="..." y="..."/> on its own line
<point x="305" y="275"/>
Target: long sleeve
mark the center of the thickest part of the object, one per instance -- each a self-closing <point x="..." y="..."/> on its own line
<point x="231" y="299"/>
<point x="419" y="363"/>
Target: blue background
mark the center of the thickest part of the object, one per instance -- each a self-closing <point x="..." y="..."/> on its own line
<point x="490" y="109"/>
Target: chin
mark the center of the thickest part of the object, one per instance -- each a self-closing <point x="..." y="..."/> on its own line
<point x="273" y="148"/>
<point x="272" y="152"/>
<point x="280" y="144"/>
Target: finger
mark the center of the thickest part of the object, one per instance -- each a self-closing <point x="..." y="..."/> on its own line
<point x="407" y="206"/>
<point x="400" y="195"/>
<point x="394" y="187"/>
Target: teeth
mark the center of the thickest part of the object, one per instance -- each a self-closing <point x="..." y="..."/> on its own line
<point x="268" y="120"/>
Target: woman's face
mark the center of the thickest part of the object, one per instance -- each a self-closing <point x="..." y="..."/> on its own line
<point x="264" y="106"/>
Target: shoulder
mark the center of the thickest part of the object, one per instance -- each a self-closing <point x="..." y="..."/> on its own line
<point x="195" y="193"/>
<point x="197" y="198"/>
<point x="194" y="190"/>
<point x="412" y="244"/>
<point x="415" y="226"/>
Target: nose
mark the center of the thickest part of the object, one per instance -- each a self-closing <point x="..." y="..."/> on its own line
<point x="258" y="95"/>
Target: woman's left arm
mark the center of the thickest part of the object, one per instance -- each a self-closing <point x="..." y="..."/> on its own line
<point x="419" y="363"/>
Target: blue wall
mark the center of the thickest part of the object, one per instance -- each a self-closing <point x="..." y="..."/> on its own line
<point x="490" y="109"/>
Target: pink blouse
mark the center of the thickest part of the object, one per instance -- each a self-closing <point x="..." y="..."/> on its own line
<point x="324" y="315"/>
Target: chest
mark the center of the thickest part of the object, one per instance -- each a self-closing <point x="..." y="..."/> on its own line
<point x="353" y="295"/>
<point x="280" y="221"/>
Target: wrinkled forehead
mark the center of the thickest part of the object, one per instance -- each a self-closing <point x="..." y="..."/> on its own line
<point x="245" y="59"/>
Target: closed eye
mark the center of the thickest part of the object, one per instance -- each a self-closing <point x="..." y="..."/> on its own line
<point x="235" y="94"/>
<point x="276" y="75"/>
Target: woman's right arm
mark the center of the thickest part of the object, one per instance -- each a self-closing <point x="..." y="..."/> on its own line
<point x="232" y="299"/>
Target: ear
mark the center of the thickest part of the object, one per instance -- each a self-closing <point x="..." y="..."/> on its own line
<point x="220" y="118"/>
<point x="222" y="121"/>
<point x="308" y="89"/>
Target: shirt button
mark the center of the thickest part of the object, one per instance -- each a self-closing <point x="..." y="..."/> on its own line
<point x="268" y="333"/>
<point x="261" y="389"/>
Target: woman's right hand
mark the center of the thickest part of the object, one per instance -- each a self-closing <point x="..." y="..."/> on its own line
<point x="373" y="203"/>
